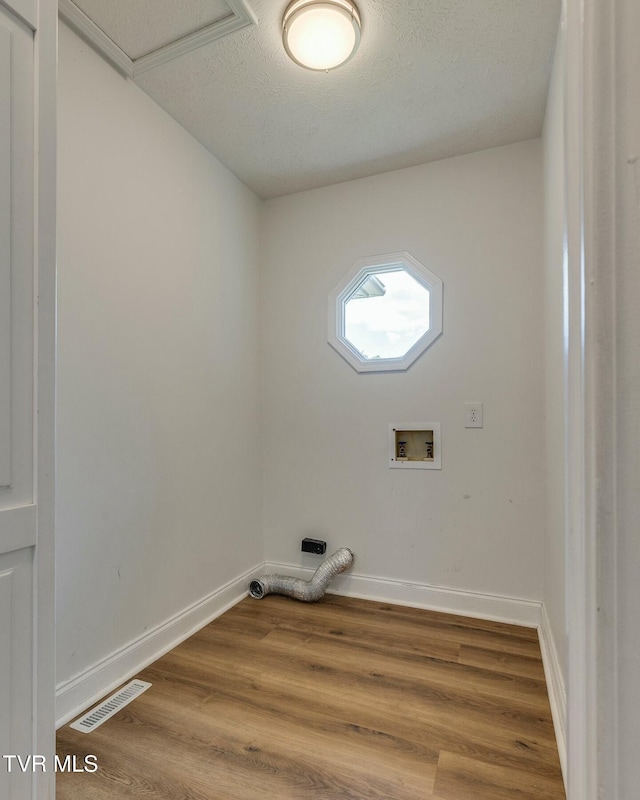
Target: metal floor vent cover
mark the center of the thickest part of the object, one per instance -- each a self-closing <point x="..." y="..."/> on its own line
<point x="92" y="719"/>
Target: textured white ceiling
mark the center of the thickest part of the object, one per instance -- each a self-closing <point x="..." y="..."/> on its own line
<point x="432" y="79"/>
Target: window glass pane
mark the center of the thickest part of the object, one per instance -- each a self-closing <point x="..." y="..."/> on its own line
<point x="386" y="314"/>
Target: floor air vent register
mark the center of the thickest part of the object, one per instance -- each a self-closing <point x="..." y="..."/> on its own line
<point x="101" y="713"/>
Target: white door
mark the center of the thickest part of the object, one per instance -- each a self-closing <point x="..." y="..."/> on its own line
<point x="27" y="269"/>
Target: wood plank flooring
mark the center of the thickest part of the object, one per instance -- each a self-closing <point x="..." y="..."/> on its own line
<point x="341" y="700"/>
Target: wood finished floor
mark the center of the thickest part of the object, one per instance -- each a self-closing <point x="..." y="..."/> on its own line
<point x="341" y="700"/>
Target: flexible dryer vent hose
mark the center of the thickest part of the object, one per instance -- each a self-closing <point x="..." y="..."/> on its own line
<point x="310" y="590"/>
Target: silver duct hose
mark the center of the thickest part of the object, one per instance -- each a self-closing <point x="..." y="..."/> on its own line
<point x="310" y="590"/>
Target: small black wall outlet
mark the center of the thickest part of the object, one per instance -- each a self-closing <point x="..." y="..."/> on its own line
<point x="316" y="546"/>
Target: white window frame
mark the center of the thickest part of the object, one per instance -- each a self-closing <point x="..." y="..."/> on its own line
<point x="343" y="290"/>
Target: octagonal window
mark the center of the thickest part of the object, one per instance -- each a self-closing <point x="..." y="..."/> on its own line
<point x="385" y="312"/>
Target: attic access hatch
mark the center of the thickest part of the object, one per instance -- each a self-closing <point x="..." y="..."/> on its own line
<point x="135" y="40"/>
<point x="415" y="445"/>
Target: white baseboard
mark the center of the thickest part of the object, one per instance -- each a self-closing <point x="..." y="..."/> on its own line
<point x="77" y="694"/>
<point x="556" y="689"/>
<point x="421" y="595"/>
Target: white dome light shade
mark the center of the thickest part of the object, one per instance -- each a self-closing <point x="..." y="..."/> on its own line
<point x="321" y="36"/>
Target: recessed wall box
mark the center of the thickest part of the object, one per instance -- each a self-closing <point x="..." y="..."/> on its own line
<point x="415" y="445"/>
<point x="316" y="546"/>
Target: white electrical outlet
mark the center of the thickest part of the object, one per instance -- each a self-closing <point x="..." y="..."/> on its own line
<point x="473" y="415"/>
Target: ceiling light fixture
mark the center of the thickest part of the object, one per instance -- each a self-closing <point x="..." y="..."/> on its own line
<point x="321" y="35"/>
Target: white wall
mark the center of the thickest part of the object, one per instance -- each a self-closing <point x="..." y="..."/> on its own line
<point x="554" y="228"/>
<point x="158" y="434"/>
<point x="479" y="523"/>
